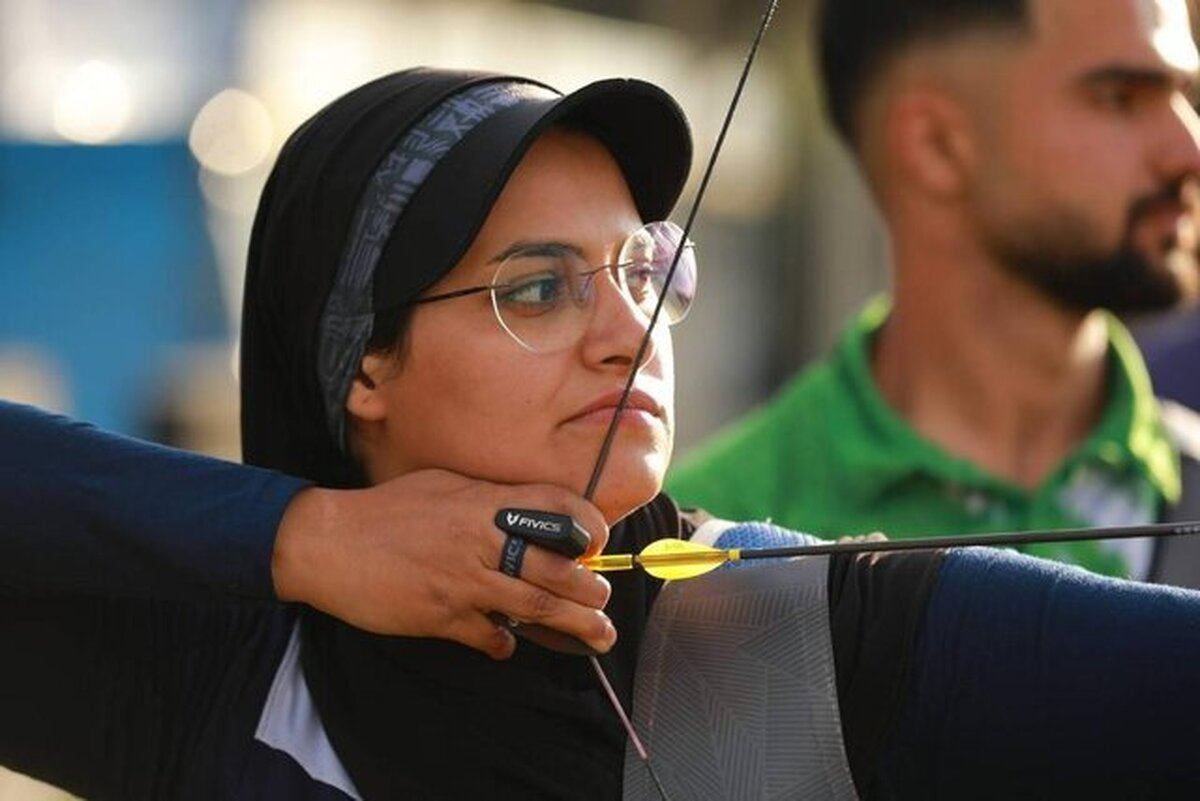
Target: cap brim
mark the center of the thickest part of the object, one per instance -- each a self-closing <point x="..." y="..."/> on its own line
<point x="639" y="123"/>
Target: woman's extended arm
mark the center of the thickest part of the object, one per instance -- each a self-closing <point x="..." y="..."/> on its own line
<point x="958" y="673"/>
<point x="1033" y="679"/>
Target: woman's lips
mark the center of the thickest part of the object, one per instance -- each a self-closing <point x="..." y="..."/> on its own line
<point x="641" y="405"/>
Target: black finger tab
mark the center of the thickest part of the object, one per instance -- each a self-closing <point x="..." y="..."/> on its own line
<point x="512" y="555"/>
<point x="558" y="533"/>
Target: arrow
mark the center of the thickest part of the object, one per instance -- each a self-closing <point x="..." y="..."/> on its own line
<point x="676" y="559"/>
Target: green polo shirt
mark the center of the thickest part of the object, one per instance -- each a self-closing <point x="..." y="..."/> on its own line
<point x="828" y="456"/>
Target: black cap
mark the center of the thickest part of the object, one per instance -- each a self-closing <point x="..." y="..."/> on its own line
<point x="639" y="123"/>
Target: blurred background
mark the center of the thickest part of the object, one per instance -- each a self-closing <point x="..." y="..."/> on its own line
<point x="135" y="136"/>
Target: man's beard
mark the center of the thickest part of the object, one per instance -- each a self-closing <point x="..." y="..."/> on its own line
<point x="1056" y="255"/>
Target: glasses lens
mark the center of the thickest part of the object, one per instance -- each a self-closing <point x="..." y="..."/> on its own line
<point x="538" y="299"/>
<point x="646" y="260"/>
<point x="541" y="296"/>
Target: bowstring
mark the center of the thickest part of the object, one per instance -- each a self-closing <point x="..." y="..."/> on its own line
<point x="610" y="433"/>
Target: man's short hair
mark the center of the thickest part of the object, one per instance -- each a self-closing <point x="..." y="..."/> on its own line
<point x="857" y="38"/>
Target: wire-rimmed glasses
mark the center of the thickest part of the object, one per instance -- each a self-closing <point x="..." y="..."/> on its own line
<point x="541" y="293"/>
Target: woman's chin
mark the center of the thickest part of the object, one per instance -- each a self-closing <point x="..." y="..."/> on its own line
<point x="623" y="492"/>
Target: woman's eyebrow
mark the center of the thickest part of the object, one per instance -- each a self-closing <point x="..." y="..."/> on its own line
<point x="536" y="249"/>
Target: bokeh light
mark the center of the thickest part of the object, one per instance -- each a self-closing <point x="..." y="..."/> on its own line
<point x="94" y="104"/>
<point x="233" y="133"/>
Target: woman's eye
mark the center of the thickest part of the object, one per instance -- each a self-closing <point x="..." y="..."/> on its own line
<point x="532" y="294"/>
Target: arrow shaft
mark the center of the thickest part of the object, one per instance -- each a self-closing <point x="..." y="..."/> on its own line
<point x="1002" y="539"/>
<point x="713" y="557"/>
<point x="694" y="559"/>
<point x="607" y="563"/>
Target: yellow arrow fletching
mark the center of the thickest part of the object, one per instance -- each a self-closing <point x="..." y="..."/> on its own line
<point x="679" y="559"/>
<point x="670" y="559"/>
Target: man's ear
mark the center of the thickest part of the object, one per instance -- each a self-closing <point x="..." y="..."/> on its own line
<point x="365" y="401"/>
<point x="931" y="141"/>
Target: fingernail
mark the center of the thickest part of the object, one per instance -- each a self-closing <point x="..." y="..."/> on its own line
<point x="610" y="632"/>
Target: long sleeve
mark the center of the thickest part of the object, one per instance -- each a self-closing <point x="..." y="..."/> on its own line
<point x="83" y="511"/>
<point x="1038" y="680"/>
<point x="131" y="665"/>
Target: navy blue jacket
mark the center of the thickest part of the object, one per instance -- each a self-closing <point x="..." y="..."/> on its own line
<point x="143" y="653"/>
<point x="139" y="630"/>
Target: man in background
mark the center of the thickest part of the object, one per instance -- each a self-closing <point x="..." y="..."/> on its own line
<point x="1035" y="163"/>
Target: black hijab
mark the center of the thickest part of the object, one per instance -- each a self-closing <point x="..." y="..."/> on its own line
<point x="412" y="717"/>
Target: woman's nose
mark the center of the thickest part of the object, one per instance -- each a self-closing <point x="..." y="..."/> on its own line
<point x="618" y="326"/>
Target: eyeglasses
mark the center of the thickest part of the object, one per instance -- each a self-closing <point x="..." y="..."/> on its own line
<point x="541" y="294"/>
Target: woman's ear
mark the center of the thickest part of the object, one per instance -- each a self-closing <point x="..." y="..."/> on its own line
<point x="365" y="402"/>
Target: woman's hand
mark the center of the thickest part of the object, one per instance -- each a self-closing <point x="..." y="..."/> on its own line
<point x="418" y="556"/>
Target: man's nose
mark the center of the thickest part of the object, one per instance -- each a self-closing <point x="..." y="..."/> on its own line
<point x="1179" y="150"/>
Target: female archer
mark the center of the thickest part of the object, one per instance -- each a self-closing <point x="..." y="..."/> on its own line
<point x="455" y="271"/>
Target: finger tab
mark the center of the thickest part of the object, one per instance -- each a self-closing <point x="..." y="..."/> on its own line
<point x="556" y="532"/>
